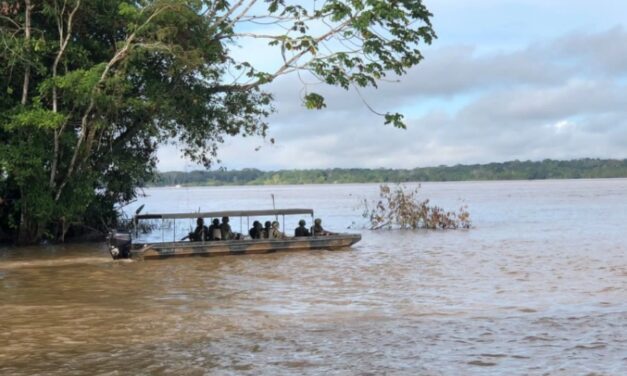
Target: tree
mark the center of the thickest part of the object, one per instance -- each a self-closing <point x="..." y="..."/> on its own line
<point x="91" y="88"/>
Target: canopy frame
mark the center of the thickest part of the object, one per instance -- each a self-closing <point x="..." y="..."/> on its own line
<point x="219" y="214"/>
<point x="228" y="213"/>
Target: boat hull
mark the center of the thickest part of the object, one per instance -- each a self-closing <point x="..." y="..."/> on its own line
<point x="242" y="247"/>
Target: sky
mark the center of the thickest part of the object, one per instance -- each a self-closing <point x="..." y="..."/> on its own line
<point x="505" y="80"/>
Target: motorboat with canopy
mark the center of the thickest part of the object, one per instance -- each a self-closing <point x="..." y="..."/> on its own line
<point x="128" y="245"/>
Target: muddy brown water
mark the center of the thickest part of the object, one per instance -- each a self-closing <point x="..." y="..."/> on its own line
<point x="539" y="286"/>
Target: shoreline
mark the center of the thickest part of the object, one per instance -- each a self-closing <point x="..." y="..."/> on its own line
<point x="181" y="186"/>
<point x="547" y="169"/>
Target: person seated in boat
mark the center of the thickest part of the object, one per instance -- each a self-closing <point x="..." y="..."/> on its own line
<point x="318" y="230"/>
<point x="301" y="230"/>
<point x="256" y="232"/>
<point x="227" y="233"/>
<point x="200" y="233"/>
<point x="276" y="233"/>
<point x="215" y="233"/>
<point x="267" y="230"/>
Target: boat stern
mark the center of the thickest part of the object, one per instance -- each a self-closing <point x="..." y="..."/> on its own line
<point x="120" y="245"/>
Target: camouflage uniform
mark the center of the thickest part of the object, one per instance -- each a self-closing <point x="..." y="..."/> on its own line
<point x="276" y="234"/>
<point x="318" y="230"/>
<point x="225" y="228"/>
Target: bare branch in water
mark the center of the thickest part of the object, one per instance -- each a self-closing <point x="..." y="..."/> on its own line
<point x="400" y="207"/>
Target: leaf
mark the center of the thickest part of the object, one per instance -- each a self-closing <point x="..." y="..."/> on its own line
<point x="396" y="120"/>
<point x="36" y="117"/>
<point x="314" y="101"/>
<point x="127" y="10"/>
<point x="39" y="45"/>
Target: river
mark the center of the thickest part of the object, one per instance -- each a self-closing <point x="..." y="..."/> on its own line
<point x="537" y="286"/>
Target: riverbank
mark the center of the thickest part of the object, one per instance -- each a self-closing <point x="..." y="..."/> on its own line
<point x="514" y="170"/>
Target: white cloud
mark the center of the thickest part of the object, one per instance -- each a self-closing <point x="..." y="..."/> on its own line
<point x="562" y="126"/>
<point x="560" y="98"/>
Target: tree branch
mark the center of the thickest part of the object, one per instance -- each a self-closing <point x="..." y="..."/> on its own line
<point x="86" y="136"/>
<point x="226" y="15"/>
<point x="27" y="29"/>
<point x="62" y="46"/>
<point x="242" y="14"/>
<point x="17" y="26"/>
<point x="258" y="36"/>
<point x="288" y="63"/>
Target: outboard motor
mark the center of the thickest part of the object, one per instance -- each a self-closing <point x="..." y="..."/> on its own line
<point x="120" y="245"/>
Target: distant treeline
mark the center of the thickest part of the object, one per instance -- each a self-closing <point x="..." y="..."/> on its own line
<point x="515" y="170"/>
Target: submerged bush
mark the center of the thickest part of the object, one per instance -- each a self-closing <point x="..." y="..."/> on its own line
<point x="400" y="207"/>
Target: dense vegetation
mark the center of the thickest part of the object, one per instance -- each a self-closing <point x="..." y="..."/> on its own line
<point x="90" y="88"/>
<point x="516" y="170"/>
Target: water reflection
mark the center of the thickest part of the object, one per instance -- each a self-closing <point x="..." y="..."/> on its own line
<point x="538" y="286"/>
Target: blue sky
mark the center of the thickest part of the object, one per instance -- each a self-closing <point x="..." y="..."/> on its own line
<point x="526" y="79"/>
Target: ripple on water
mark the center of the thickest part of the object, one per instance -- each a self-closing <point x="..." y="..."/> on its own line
<point x="503" y="298"/>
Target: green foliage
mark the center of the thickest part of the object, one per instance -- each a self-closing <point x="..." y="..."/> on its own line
<point x="516" y="170"/>
<point x="135" y="74"/>
<point x="36" y="117"/>
<point x="76" y="86"/>
<point x="25" y="190"/>
<point x="362" y="42"/>
<point x="128" y="11"/>
<point x="396" y="120"/>
<point x="314" y="101"/>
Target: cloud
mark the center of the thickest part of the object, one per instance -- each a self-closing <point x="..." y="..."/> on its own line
<point x="561" y="98"/>
<point x="602" y="53"/>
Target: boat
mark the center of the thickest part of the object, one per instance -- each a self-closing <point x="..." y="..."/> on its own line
<point x="122" y="245"/>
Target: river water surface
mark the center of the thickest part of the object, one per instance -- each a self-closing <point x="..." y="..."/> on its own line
<point x="538" y="286"/>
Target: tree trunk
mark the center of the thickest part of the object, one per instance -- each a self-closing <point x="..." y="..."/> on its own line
<point x="63" y="227"/>
<point x="64" y="39"/>
<point x="29" y="231"/>
<point x="27" y="30"/>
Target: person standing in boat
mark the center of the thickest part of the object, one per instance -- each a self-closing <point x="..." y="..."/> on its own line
<point x="215" y="233"/>
<point x="301" y="230"/>
<point x="318" y="230"/>
<point x="201" y="232"/>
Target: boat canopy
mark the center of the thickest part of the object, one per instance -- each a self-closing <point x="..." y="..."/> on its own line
<point x="228" y="213"/>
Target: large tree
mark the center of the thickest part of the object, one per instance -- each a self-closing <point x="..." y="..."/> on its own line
<point x="90" y="88"/>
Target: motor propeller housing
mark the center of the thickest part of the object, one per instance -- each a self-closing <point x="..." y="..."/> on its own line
<point x="120" y="245"/>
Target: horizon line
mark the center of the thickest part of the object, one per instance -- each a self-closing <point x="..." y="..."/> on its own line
<point x="224" y="169"/>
